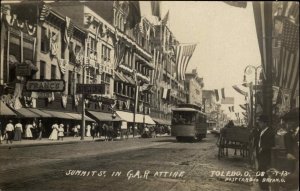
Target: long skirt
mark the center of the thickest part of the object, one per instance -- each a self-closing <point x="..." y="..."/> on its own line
<point x="18" y="135"/>
<point x="54" y="135"/>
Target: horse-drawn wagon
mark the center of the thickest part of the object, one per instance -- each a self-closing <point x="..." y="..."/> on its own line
<point x="237" y="138"/>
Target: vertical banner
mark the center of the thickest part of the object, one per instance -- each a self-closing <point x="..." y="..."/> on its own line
<point x="275" y="94"/>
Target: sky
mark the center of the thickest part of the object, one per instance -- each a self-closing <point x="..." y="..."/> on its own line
<point x="226" y="41"/>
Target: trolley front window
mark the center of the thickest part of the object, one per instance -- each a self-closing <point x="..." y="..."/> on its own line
<point x="183" y="117"/>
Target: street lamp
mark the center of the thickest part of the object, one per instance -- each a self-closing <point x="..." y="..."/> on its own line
<point x="248" y="70"/>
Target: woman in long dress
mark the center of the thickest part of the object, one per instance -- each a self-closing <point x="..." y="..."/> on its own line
<point x="54" y="133"/>
<point x="88" y="130"/>
<point x="28" y="133"/>
<point x="18" y="132"/>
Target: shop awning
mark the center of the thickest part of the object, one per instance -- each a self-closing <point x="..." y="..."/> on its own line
<point x="149" y="120"/>
<point x="25" y="112"/>
<point x="59" y="114"/>
<point x="77" y="116"/>
<point x="5" y="111"/>
<point x="139" y="118"/>
<point x="162" y="121"/>
<point x="39" y="112"/>
<point x="104" y="116"/>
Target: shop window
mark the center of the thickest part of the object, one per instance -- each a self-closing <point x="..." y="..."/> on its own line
<point x="42" y="70"/>
<point x="70" y="83"/>
<point x="53" y="71"/>
<point x="44" y="40"/>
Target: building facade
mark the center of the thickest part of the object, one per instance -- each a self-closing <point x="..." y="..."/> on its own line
<point x="89" y="43"/>
<point x="194" y="85"/>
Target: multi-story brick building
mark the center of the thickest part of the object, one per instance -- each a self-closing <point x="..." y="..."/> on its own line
<point x="90" y="43"/>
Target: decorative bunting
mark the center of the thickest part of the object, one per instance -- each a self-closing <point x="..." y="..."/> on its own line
<point x="44" y="12"/>
<point x="64" y="99"/>
<point x="69" y="30"/>
<point x="54" y="44"/>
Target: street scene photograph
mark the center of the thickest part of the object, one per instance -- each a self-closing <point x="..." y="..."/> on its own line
<point x="149" y="95"/>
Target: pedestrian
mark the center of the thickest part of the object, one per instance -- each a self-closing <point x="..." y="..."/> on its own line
<point x="88" y="130"/>
<point x="75" y="130"/>
<point x="9" y="131"/>
<point x="34" y="129"/>
<point x="67" y="129"/>
<point x="265" y="144"/>
<point x="61" y="132"/>
<point x="54" y="133"/>
<point x="18" y="131"/>
<point x="28" y="132"/>
<point x="93" y="130"/>
<point x="1" y="129"/>
<point x="105" y="129"/>
<point x="40" y="129"/>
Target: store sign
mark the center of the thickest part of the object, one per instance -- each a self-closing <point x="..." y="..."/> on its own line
<point x="23" y="70"/>
<point x="45" y="85"/>
<point x="90" y="88"/>
<point x="44" y="94"/>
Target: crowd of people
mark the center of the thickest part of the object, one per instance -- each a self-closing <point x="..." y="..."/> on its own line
<point x="16" y="130"/>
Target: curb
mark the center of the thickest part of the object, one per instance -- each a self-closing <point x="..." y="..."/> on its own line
<point x="9" y="146"/>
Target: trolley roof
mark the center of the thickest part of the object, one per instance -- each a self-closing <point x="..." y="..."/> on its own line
<point x="187" y="109"/>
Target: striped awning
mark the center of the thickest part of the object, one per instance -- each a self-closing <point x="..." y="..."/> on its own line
<point x="39" y="112"/>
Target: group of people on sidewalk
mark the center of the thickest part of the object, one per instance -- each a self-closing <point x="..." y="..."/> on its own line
<point x="266" y="139"/>
<point x="11" y="132"/>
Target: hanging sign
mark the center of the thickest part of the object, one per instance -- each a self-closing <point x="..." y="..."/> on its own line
<point x="23" y="70"/>
<point x="45" y="85"/>
<point x="90" y="88"/>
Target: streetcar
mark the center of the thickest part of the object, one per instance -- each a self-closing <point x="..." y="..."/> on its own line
<point x="188" y="123"/>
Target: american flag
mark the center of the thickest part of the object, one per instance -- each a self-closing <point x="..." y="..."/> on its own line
<point x="44" y="12"/>
<point x="183" y="56"/>
<point x="289" y="55"/>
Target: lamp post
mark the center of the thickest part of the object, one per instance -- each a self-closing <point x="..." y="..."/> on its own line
<point x="248" y="70"/>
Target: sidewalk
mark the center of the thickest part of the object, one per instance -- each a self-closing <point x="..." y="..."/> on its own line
<point x="67" y="140"/>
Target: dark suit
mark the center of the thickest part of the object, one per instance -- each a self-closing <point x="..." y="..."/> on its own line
<point x="267" y="141"/>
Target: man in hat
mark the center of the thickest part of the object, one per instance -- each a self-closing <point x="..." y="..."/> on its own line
<point x="265" y="144"/>
<point x="291" y="142"/>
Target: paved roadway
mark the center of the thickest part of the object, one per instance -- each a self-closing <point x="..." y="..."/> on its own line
<point x="143" y="165"/>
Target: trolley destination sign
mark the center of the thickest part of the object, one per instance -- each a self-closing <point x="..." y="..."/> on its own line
<point x="45" y="85"/>
<point x="90" y="88"/>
